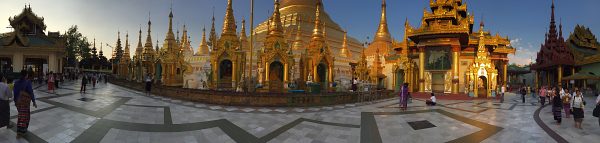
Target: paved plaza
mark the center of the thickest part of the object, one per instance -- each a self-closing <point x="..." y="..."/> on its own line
<point x="112" y="114"/>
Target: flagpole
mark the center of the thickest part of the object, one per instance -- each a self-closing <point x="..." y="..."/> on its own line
<point x="251" y="42"/>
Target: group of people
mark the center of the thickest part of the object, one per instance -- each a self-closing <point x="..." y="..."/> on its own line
<point x="571" y="102"/>
<point x="21" y="92"/>
<point x="92" y="78"/>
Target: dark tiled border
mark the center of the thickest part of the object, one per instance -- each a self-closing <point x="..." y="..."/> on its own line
<point x="370" y="130"/>
<point x="550" y="132"/>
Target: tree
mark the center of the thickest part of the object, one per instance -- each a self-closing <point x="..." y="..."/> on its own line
<point x="77" y="46"/>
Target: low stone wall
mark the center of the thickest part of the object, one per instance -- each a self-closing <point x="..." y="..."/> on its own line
<point x="258" y="99"/>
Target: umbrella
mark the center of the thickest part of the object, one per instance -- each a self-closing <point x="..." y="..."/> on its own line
<point x="582" y="76"/>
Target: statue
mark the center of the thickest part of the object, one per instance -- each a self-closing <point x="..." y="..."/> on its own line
<point x="448" y="82"/>
<point x="427" y="81"/>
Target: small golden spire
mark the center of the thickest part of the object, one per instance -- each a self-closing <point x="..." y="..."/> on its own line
<point x="126" y="52"/>
<point x="383" y="33"/>
<point x="203" y="49"/>
<point x="317" y="30"/>
<point x="344" y="51"/>
<point x="243" y="32"/>
<point x="276" y="27"/>
<point x="298" y="43"/>
<point x="229" y="27"/>
<point x="170" y="35"/>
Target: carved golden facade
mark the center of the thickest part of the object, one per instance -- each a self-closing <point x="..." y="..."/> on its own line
<point x="227" y="58"/>
<point x="172" y="60"/>
<point x="276" y="56"/>
<point x="446" y="51"/>
<point x="297" y="17"/>
<point x="318" y="64"/>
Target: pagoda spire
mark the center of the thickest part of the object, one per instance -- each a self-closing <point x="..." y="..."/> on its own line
<point x="276" y="26"/>
<point x="213" y="34"/>
<point x="94" y="49"/>
<point x="552" y="35"/>
<point x="101" y="53"/>
<point x="229" y="27"/>
<point x="170" y="34"/>
<point x="140" y="48"/>
<point x="148" y="36"/>
<point x="126" y="52"/>
<point x="185" y="42"/>
<point x="383" y="33"/>
<point x="243" y="32"/>
<point x="298" y="42"/>
<point x="344" y="51"/>
<point x="560" y="33"/>
<point x="203" y="49"/>
<point x="317" y="30"/>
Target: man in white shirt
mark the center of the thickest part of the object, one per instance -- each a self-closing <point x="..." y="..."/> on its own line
<point x="502" y="91"/>
<point x="6" y="96"/>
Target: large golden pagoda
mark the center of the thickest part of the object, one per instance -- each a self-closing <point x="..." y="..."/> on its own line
<point x="227" y="57"/>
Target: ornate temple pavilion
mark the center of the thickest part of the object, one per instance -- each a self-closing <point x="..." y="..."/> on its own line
<point x="29" y="47"/>
<point x="446" y="55"/>
<point x="554" y="58"/>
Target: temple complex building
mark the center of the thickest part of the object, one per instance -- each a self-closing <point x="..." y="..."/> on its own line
<point x="444" y="55"/>
<point x="275" y="58"/>
<point x="200" y="64"/>
<point x="172" y="61"/>
<point x="554" y="60"/>
<point x="29" y="47"/>
<point x="227" y="58"/>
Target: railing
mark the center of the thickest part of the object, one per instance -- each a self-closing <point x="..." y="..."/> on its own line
<point x="266" y="99"/>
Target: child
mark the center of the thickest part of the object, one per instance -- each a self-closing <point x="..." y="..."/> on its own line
<point x="431" y="101"/>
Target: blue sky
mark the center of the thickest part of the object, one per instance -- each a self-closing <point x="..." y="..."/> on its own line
<point x="524" y="21"/>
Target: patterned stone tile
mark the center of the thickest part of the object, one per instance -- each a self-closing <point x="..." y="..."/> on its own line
<point x="312" y="132"/>
<point x="135" y="114"/>
<point x="211" y="135"/>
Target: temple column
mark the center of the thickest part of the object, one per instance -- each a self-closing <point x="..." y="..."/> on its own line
<point x="560" y="73"/>
<point x="572" y="73"/>
<point x="421" y="69"/>
<point x="505" y="72"/>
<point x="537" y="76"/>
<point x="266" y="80"/>
<point x="455" y="67"/>
<point x="234" y="75"/>
<point x="548" y="78"/>
<point x="285" y="74"/>
<point x="330" y="75"/>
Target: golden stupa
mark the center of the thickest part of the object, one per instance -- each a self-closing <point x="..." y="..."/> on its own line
<point x="298" y="22"/>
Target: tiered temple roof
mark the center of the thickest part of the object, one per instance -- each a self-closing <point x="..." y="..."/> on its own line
<point x="554" y="51"/>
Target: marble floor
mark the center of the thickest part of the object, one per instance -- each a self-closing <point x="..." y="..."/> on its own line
<point x="111" y="114"/>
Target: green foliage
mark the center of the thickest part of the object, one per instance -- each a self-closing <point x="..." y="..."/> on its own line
<point x="77" y="46"/>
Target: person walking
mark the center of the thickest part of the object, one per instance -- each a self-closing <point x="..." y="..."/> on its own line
<point x="543" y="95"/>
<point x="556" y="108"/>
<point x="84" y="81"/>
<point x="148" y="83"/>
<point x="23" y="97"/>
<point x="404" y="97"/>
<point x="51" y="82"/>
<point x="523" y="93"/>
<point x="94" y="80"/>
<point x="598" y="106"/>
<point x="566" y="100"/>
<point x="502" y="91"/>
<point x="5" y="96"/>
<point x="578" y="104"/>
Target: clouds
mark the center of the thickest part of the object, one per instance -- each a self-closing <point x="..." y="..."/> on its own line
<point x="525" y="54"/>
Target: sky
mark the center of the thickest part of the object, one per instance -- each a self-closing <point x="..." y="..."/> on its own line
<point x="523" y="21"/>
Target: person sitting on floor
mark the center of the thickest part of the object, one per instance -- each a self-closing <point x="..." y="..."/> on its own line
<point x="431" y="101"/>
